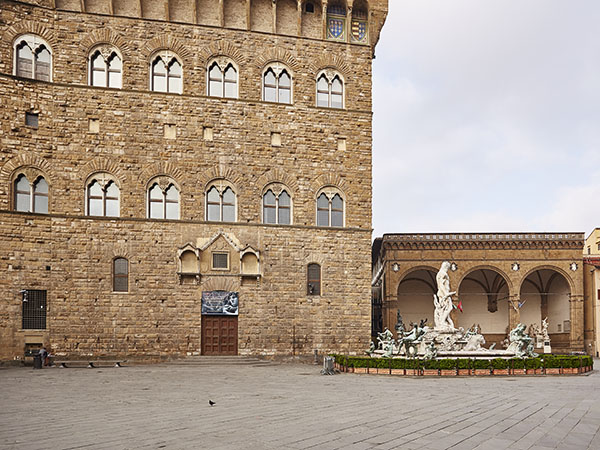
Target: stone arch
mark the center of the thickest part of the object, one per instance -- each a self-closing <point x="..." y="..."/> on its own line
<point x="104" y="36"/>
<point x="167" y="42"/>
<point x="329" y="179"/>
<point x="118" y="250"/>
<point x="276" y="54"/>
<point x="220" y="172"/>
<point x="277" y="175"/>
<point x="501" y="272"/>
<point x="159" y="169"/>
<point x="23" y="161"/>
<point x="485" y="293"/>
<point x="414" y="295"/>
<point x="564" y="273"/>
<point x="101" y="165"/>
<point x="30" y="27"/>
<point x="220" y="48"/>
<point x="335" y="62"/>
<point x="229" y="284"/>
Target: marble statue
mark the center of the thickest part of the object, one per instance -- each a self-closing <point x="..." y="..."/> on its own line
<point x="443" y="301"/>
<point x="546" y="336"/>
<point x="384" y="338"/>
<point x="520" y="343"/>
<point x="431" y="351"/>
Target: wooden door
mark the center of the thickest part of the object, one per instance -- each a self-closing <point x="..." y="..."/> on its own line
<point x="219" y="335"/>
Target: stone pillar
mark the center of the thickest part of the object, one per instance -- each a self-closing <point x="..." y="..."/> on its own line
<point x="221" y="13"/>
<point x="248" y="16"/>
<point x="299" y="25"/>
<point x="274" y="9"/>
<point x="349" y="21"/>
<point x="514" y="315"/>
<point x="576" y="310"/>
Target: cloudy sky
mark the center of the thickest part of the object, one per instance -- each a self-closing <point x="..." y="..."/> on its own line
<point x="487" y="116"/>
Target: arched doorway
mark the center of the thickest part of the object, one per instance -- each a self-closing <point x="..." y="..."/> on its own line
<point x="546" y="293"/>
<point x="415" y="297"/>
<point x="484" y="295"/>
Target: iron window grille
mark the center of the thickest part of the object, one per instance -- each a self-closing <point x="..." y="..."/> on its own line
<point x="34" y="309"/>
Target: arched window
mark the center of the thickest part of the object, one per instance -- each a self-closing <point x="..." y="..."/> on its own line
<point x="120" y="275"/>
<point x="336" y="20"/>
<point x="163" y="202"/>
<point x="102" y="194"/>
<point x="33" y="58"/>
<point x="330" y="209"/>
<point x="313" y="279"/>
<point x="222" y="79"/>
<point x="277" y="85"/>
<point x="277" y="208"/>
<point x="106" y="67"/>
<point x="166" y="73"/>
<point x="31" y="197"/>
<point x="330" y="90"/>
<point x="220" y="203"/>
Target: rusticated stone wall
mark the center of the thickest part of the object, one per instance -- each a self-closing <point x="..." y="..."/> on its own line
<point x="137" y="135"/>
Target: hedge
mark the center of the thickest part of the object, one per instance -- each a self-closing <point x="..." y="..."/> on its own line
<point x="547" y="361"/>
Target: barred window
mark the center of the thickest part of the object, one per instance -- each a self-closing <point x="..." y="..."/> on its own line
<point x="220" y="260"/>
<point x="313" y="279"/>
<point x="34" y="309"/>
<point x="120" y="275"/>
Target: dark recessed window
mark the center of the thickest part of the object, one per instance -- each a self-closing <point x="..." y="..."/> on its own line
<point x="309" y="7"/>
<point x="313" y="279"/>
<point x="220" y="260"/>
<point x="31" y="119"/>
<point x="34" y="309"/>
<point x="120" y="275"/>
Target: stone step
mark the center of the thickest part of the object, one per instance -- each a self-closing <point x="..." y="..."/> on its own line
<point x="220" y="361"/>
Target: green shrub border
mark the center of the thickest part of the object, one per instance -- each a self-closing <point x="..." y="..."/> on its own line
<point x="543" y="361"/>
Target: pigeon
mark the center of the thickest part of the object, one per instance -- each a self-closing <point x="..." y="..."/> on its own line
<point x="211" y="403"/>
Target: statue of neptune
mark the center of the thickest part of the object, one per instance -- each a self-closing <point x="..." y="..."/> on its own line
<point x="443" y="300"/>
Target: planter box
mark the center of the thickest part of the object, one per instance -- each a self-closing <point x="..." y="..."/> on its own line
<point x="430" y="372"/>
<point x="530" y="371"/>
<point x="464" y="371"/>
<point x="482" y="371"/>
<point x="571" y="370"/>
<point x="500" y="371"/>
<point x="552" y="371"/>
<point x="448" y="372"/>
<point x="397" y="371"/>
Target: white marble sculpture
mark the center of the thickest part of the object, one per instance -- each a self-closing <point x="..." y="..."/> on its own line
<point x="546" y="336"/>
<point x="443" y="301"/>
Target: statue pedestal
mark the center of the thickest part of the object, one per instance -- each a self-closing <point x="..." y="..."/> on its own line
<point x="547" y="348"/>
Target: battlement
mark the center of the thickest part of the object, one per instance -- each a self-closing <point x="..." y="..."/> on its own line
<point x="350" y="21"/>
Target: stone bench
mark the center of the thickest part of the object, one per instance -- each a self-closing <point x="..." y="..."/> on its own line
<point x="89" y="363"/>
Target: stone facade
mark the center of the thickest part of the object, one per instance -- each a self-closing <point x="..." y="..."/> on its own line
<point x="135" y="135"/>
<point x="501" y="278"/>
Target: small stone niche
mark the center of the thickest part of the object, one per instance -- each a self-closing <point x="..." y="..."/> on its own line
<point x="93" y="125"/>
<point x="170" y="131"/>
<point x="207" y="133"/>
<point x="32" y="119"/>
<point x="188" y="265"/>
<point x="250" y="263"/>
<point x="341" y="144"/>
<point x="276" y="139"/>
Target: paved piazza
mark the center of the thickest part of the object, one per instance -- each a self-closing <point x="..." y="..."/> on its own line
<point x="291" y="406"/>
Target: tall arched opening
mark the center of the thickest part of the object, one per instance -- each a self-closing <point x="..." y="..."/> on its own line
<point x="484" y="297"/>
<point x="415" y="297"/>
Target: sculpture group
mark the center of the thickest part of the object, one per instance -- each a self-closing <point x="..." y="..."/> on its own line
<point x="446" y="340"/>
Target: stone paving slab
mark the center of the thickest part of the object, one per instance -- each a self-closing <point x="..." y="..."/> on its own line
<point x="291" y="407"/>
